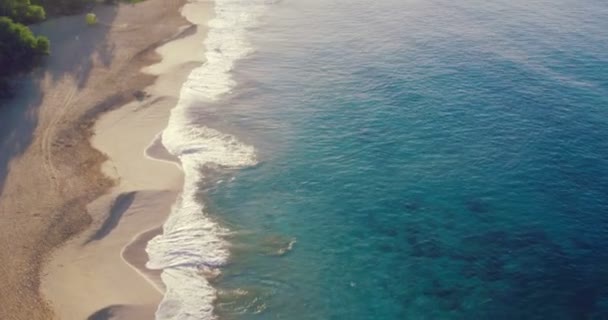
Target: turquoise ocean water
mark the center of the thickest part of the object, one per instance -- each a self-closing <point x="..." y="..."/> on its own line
<point x="418" y="160"/>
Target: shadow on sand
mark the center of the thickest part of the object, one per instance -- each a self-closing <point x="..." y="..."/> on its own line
<point x="123" y="312"/>
<point x="122" y="203"/>
<point x="106" y="313"/>
<point x="74" y="46"/>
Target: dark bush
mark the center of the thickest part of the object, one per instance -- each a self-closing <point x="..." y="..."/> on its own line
<point x="20" y="50"/>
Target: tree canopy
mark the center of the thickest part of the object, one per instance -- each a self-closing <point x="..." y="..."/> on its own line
<point x="20" y="49"/>
<point x="22" y="11"/>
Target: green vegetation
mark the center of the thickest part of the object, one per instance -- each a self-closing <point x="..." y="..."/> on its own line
<point x="20" y="50"/>
<point x="22" y="11"/>
<point x="91" y="19"/>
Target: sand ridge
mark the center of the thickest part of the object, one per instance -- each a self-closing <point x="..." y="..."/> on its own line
<point x="108" y="260"/>
<point x="49" y="172"/>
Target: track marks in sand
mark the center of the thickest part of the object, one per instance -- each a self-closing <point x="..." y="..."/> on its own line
<point x="50" y="131"/>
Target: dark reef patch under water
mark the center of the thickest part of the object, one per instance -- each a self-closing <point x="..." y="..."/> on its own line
<point x="495" y="273"/>
<point x="433" y="159"/>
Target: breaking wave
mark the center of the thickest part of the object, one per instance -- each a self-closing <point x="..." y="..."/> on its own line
<point x="192" y="245"/>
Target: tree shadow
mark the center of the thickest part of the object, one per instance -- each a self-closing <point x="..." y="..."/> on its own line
<point x="74" y="45"/>
<point x="18" y="121"/>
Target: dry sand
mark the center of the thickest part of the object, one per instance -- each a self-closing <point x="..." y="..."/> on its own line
<point x="51" y="183"/>
<point x="96" y="262"/>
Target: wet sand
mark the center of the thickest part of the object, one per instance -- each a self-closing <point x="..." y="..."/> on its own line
<point x="108" y="260"/>
<point x="53" y="192"/>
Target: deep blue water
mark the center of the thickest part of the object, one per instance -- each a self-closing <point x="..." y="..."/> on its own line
<point x="432" y="159"/>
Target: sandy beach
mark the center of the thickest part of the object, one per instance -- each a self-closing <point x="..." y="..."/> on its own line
<point x="138" y="204"/>
<point x="84" y="183"/>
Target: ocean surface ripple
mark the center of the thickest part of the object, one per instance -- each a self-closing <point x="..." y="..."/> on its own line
<point x="434" y="159"/>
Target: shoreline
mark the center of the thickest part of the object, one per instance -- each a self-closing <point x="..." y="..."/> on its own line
<point x="50" y="174"/>
<point x="130" y="289"/>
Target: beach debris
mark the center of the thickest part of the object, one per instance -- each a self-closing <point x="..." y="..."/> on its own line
<point x="277" y="245"/>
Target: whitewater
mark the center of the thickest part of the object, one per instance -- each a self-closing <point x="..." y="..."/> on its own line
<point x="192" y="244"/>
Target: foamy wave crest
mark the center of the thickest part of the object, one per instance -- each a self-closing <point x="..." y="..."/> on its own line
<point x="192" y="245"/>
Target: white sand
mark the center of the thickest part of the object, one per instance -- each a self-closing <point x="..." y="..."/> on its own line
<point x="82" y="280"/>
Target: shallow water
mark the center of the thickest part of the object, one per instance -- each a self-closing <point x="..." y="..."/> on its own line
<point x="191" y="244"/>
<point x="417" y="160"/>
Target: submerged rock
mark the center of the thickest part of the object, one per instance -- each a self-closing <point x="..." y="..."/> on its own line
<point x="426" y="249"/>
<point x="477" y="206"/>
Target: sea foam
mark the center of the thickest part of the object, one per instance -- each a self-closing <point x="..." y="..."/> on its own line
<point x="192" y="244"/>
